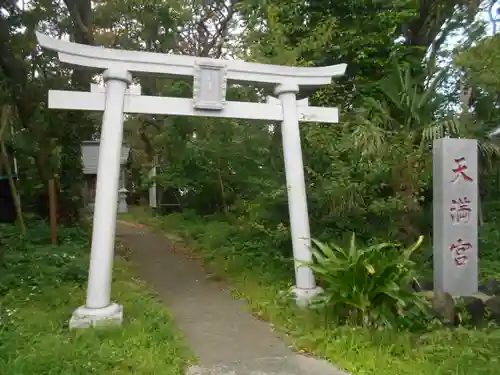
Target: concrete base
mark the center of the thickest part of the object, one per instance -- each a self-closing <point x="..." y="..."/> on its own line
<point x="304" y="296"/>
<point x="122" y="207"/>
<point x="84" y="317"/>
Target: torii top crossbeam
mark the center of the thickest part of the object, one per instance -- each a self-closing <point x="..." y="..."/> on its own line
<point x="179" y="65"/>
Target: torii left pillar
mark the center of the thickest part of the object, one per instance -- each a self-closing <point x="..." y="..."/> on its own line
<point x="99" y="310"/>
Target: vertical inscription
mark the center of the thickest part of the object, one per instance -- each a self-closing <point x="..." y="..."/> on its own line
<point x="455" y="202"/>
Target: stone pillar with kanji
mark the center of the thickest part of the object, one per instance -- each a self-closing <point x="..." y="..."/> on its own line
<point x="455" y="216"/>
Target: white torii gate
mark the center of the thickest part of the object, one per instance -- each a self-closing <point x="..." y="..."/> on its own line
<point x="209" y="93"/>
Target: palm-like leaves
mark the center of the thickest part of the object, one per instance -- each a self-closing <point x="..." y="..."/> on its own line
<point x="366" y="285"/>
<point x="406" y="105"/>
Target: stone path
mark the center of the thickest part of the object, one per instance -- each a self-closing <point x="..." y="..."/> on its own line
<point x="226" y="338"/>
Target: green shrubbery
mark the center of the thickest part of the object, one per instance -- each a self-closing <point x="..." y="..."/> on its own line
<point x="489" y="242"/>
<point x="40" y="286"/>
<point x="244" y="253"/>
<point x="231" y="244"/>
<point x="29" y="262"/>
<point x="367" y="285"/>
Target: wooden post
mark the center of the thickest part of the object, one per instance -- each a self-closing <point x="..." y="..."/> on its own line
<point x="53" y="211"/>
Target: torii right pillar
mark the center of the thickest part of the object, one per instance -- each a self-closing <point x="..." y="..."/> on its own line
<point x="305" y="285"/>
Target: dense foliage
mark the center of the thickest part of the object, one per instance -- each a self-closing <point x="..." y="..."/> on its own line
<point x="391" y="95"/>
<point x="369" y="285"/>
<point x="40" y="286"/>
<point x="256" y="273"/>
<point x="370" y="174"/>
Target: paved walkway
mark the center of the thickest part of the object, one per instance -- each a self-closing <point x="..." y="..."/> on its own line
<point x="227" y="339"/>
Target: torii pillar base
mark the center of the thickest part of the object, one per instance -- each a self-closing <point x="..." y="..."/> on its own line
<point x="303" y="297"/>
<point x="109" y="316"/>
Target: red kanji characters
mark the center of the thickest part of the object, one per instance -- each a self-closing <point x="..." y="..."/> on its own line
<point x="460" y="170"/>
<point x="460" y="210"/>
<point x="459" y="249"/>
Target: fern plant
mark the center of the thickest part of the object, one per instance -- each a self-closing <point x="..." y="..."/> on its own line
<point x="366" y="285"/>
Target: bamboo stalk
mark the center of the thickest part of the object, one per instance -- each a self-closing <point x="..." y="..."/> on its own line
<point x="4" y="120"/>
<point x="53" y="211"/>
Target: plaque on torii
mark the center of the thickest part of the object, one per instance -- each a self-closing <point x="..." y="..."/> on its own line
<point x="209" y="85"/>
<point x="210" y="77"/>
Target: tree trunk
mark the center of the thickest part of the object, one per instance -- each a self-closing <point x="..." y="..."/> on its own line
<point x="78" y="126"/>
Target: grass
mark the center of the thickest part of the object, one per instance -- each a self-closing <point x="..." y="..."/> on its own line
<point x="359" y="351"/>
<point x="40" y="286"/>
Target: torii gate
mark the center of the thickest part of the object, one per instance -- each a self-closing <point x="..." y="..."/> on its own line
<point x="209" y="93"/>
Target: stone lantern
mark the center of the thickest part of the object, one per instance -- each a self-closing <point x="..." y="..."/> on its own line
<point x="122" y="201"/>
